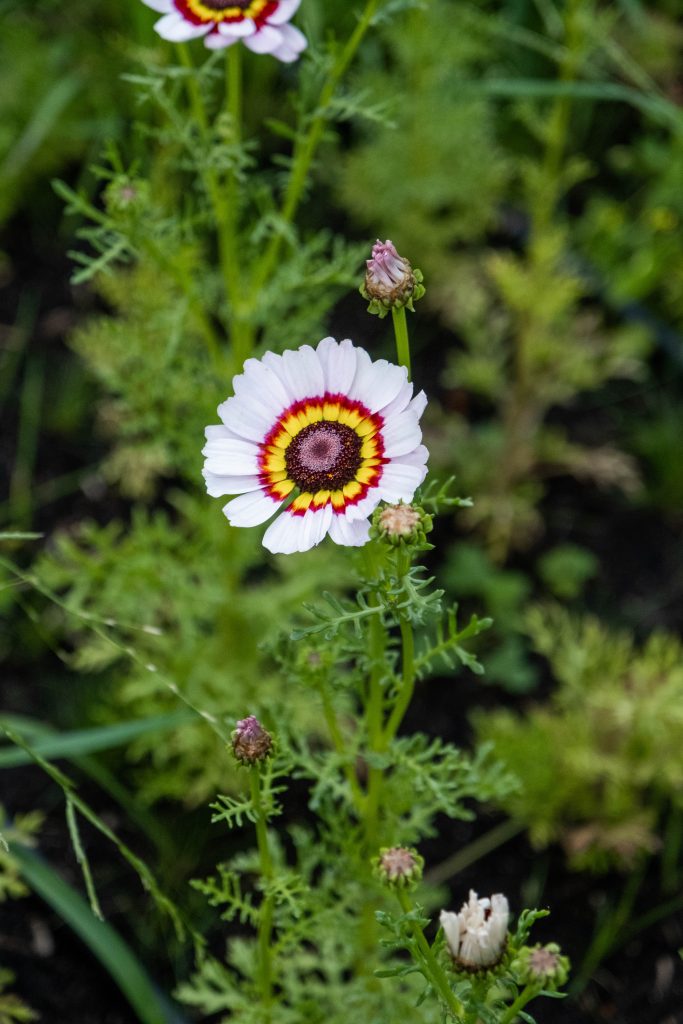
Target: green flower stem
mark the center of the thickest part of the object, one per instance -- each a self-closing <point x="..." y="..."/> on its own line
<point x="241" y="332"/>
<point x="224" y="204"/>
<point x="408" y="665"/>
<point x="402" y="340"/>
<point x="340" y="746"/>
<point x="265" y="928"/>
<point x="437" y="975"/>
<point x="305" y="148"/>
<point x="524" y="997"/>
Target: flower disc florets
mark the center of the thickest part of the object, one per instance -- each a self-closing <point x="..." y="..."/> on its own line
<point x="326" y="427"/>
<point x="541" y="965"/>
<point x="390" y="281"/>
<point x="477" y="935"/>
<point x="262" y="25"/>
<point x="401" y="524"/>
<point x="251" y="743"/>
<point x="399" y="866"/>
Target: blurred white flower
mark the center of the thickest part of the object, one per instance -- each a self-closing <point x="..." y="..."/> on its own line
<point x="262" y="25"/>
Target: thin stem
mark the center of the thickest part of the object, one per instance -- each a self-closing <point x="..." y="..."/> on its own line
<point x="265" y="927"/>
<point x="224" y="202"/>
<point x="436" y="972"/>
<point x="524" y="997"/>
<point x="474" y="851"/>
<point x="340" y="746"/>
<point x="305" y="148"/>
<point x="405" y="694"/>
<point x="402" y="340"/>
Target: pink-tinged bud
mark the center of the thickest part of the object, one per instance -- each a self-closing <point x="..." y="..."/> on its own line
<point x="401" y="524"/>
<point x="390" y="280"/>
<point x="477" y="936"/>
<point x="399" y="866"/>
<point x="541" y="965"/>
<point x="250" y="741"/>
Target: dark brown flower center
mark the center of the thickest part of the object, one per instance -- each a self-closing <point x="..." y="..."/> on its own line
<point x="323" y="457"/>
<point x="220" y="5"/>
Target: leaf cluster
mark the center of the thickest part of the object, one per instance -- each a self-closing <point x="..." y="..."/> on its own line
<point x="600" y="764"/>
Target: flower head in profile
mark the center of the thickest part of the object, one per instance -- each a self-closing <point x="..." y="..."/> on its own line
<point x="326" y="429"/>
<point x="476" y="936"/>
<point x="390" y="281"/>
<point x="262" y="25"/>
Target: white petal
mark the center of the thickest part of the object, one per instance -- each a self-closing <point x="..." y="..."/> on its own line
<point x="260" y="386"/>
<point x="451" y="929"/>
<point x="376" y="384"/>
<point x="265" y="40"/>
<point x="400" y="402"/>
<point x="237" y="29"/>
<point x="418" y="457"/>
<point x="338" y="360"/>
<point x="350" y="534"/>
<point x="216" y="41"/>
<point x="419" y="404"/>
<point x="294" y="42"/>
<point x="219" y="430"/>
<point x="290" y="533"/>
<point x="363" y="508"/>
<point x="231" y="458"/>
<point x="176" y="29"/>
<point x="245" y="420"/>
<point x="217" y="485"/>
<point x="285" y="10"/>
<point x="162" y="6"/>
<point x="401" y="434"/>
<point x="399" y="482"/>
<point x="250" y="509"/>
<point x="303" y="373"/>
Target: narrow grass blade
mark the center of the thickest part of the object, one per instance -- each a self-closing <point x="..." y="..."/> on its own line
<point x="102" y="940"/>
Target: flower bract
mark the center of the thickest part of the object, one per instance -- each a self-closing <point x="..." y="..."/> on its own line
<point x="262" y="25"/>
<point x="327" y="429"/>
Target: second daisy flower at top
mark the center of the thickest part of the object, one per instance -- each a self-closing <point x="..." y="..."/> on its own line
<point x="329" y="423"/>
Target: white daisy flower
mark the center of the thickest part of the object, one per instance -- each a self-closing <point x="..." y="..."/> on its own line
<point x="262" y="25"/>
<point x="328" y="425"/>
<point x="476" y="936"/>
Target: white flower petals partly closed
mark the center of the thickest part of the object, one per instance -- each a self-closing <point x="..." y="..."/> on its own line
<point x="327" y="431"/>
<point x="477" y="935"/>
<point x="262" y="25"/>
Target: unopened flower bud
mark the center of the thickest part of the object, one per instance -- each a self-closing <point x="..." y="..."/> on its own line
<point x="390" y="281"/>
<point x="399" y="866"/>
<point x="407" y="524"/>
<point x="542" y="965"/>
<point x="477" y="936"/>
<point x="251" y="744"/>
<point x="123" y="194"/>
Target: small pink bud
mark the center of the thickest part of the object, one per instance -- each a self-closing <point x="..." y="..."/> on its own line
<point x="399" y="866"/>
<point x="390" y="280"/>
<point x="250" y="741"/>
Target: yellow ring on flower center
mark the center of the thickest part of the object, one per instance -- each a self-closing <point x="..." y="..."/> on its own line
<point x="208" y="12"/>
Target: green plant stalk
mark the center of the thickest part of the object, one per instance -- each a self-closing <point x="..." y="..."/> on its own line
<point x="265" y="927"/>
<point x="474" y="851"/>
<point x="340" y="746"/>
<point x="305" y="149"/>
<point x="241" y="333"/>
<point x="524" y="997"/>
<point x="224" y="209"/>
<point x="436" y="973"/>
<point x="608" y="931"/>
<point x="402" y="341"/>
